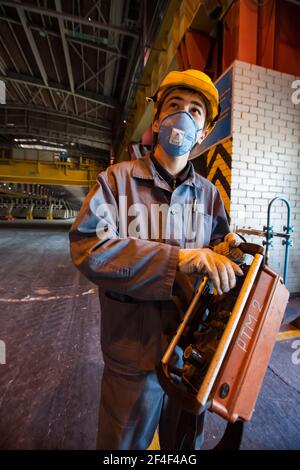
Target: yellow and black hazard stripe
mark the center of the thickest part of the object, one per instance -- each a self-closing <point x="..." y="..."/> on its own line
<point x="218" y="170"/>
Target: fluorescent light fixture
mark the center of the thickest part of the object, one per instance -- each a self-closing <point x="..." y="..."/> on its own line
<point x="52" y="143"/>
<point x="25" y="140"/>
<point x="42" y="147"/>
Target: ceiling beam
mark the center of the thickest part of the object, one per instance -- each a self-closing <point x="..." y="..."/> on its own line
<point x="50" y="49"/>
<point x="87" y="121"/>
<point x="63" y="104"/>
<point x="33" y="81"/>
<point x="20" y="48"/>
<point x="115" y="16"/>
<point x="75" y="19"/>
<point x="33" y="45"/>
<point x="69" y="37"/>
<point x="94" y="109"/>
<point x="33" y="97"/>
<point x="96" y="74"/>
<point x="88" y="13"/>
<point x="95" y="46"/>
<point x="65" y="47"/>
<point x="84" y="63"/>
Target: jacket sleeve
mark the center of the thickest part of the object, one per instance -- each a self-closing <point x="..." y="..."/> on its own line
<point x="220" y="226"/>
<point x="142" y="269"/>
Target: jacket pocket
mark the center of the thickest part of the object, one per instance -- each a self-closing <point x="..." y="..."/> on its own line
<point x="200" y="228"/>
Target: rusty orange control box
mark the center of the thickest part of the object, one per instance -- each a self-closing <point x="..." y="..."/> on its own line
<point x="241" y="375"/>
<point x="226" y="343"/>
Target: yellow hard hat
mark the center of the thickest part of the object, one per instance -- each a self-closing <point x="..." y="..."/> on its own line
<point x="195" y="80"/>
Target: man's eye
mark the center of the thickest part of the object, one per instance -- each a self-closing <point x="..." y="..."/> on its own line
<point x="196" y="111"/>
<point x="174" y="105"/>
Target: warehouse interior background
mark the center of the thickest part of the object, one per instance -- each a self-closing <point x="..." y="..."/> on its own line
<point x="74" y="80"/>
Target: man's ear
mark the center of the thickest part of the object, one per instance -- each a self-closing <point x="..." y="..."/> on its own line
<point x="202" y="135"/>
<point x="155" y="126"/>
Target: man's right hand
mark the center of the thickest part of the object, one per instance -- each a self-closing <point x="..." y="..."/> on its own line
<point x="219" y="269"/>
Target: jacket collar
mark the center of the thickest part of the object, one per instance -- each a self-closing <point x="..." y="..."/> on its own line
<point x="144" y="168"/>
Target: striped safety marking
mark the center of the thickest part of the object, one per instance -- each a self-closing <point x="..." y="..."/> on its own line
<point x="218" y="160"/>
<point x="288" y="332"/>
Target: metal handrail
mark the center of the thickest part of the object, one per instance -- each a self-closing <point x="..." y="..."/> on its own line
<point x="288" y="229"/>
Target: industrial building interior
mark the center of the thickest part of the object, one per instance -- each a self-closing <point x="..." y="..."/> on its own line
<point x="74" y="81"/>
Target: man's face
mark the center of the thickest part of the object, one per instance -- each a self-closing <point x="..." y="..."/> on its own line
<point x="179" y="100"/>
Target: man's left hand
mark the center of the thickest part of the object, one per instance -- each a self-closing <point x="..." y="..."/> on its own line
<point x="229" y="248"/>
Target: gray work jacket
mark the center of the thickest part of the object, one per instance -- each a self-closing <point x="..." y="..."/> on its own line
<point x="120" y="242"/>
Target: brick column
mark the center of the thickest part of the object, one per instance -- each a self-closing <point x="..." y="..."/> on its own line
<point x="266" y="157"/>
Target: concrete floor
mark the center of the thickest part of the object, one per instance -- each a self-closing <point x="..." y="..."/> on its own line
<point x="49" y="387"/>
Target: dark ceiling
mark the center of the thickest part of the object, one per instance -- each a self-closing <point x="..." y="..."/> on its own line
<point x="72" y="68"/>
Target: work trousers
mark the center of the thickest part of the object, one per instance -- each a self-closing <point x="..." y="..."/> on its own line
<point x="132" y="407"/>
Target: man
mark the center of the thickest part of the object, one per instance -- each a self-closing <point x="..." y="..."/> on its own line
<point x="144" y="223"/>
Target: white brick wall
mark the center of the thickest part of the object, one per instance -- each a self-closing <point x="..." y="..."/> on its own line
<point x="266" y="158"/>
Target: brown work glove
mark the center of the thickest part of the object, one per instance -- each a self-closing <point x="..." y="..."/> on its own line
<point x="219" y="269"/>
<point x="229" y="248"/>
